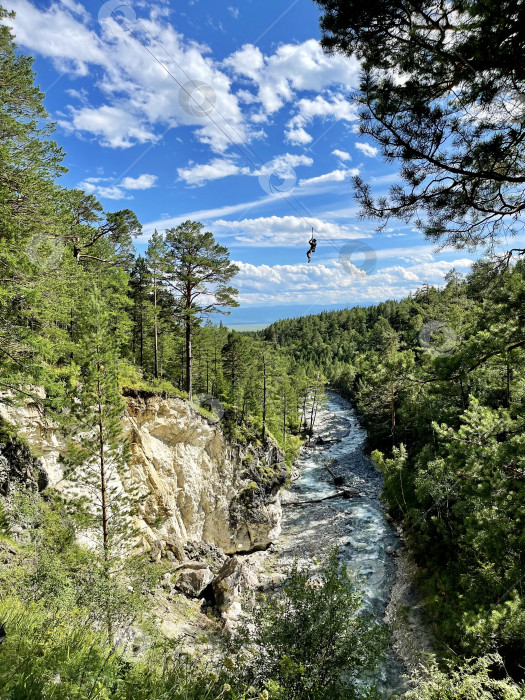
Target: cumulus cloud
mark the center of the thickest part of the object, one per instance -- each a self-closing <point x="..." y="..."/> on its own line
<point x="342" y="155"/>
<point x="134" y="99"/>
<point x="292" y="68"/>
<point x="142" y="182"/>
<point x="197" y="174"/>
<point x="105" y="187"/>
<point x="282" y="231"/>
<point x="335" y="107"/>
<point x="335" y="282"/>
<point x="367" y="150"/>
<point x="137" y="97"/>
<point x="298" y="136"/>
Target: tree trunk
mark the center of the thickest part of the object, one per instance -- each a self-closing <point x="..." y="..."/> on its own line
<point x="188" y="358"/>
<point x="155" y="324"/>
<point x="243" y="408"/>
<point x="508" y="378"/>
<point x="393" y="414"/>
<point x="103" y="488"/>
<point x="264" y="401"/>
<point x="284" y="420"/>
<point x="142" y="339"/>
<point x="303" y="414"/>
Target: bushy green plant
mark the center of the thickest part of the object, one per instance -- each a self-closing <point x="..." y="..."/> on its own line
<point x="470" y="681"/>
<point x="313" y="639"/>
<point x="53" y="654"/>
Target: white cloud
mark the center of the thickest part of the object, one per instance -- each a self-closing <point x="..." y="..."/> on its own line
<point x="387" y="179"/>
<point x="142" y="182"/>
<point x="342" y="155"/>
<point x="218" y="168"/>
<point x="336" y="107"/>
<point x="282" y="164"/>
<point x="335" y="283"/>
<point x="367" y="150"/>
<point x="200" y="173"/>
<point x="293" y="67"/>
<point x="282" y="231"/>
<point x="138" y="99"/>
<point x="114" y="126"/>
<point x="93" y="185"/>
<point x="59" y="33"/>
<point x="298" y="136"/>
<point x="334" y="176"/>
<point x="234" y="12"/>
<point x="133" y="99"/>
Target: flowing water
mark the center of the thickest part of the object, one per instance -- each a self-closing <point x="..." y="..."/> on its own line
<point x="357" y="525"/>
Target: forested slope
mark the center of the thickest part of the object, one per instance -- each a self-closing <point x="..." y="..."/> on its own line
<point x="439" y="381"/>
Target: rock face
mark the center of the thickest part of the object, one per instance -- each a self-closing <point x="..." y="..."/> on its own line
<point x="193" y="485"/>
<point x="18" y="465"/>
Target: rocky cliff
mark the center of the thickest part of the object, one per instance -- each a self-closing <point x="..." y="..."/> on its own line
<point x="193" y="485"/>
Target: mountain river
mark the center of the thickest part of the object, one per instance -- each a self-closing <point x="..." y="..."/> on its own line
<point x="356" y="525"/>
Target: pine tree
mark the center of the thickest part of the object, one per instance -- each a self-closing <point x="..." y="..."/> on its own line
<point x="197" y="269"/>
<point x="156" y="257"/>
<point x="454" y="124"/>
<point x="97" y="451"/>
<point x="30" y="214"/>
<point x="140" y="286"/>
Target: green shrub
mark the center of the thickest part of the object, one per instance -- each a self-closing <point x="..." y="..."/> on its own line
<point x="313" y="640"/>
<point x="470" y="681"/>
<point x="51" y="654"/>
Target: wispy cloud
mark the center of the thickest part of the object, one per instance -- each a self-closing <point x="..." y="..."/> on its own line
<point x="367" y="150"/>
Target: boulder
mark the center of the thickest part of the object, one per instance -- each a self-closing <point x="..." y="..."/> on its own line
<point x="192" y="582"/>
<point x="156" y="551"/>
<point x="232" y="579"/>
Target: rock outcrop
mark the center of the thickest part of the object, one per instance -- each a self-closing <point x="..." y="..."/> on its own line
<point x="193" y="486"/>
<point x="19" y="466"/>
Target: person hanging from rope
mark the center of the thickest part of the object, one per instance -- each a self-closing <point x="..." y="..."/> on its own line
<point x="312" y="242"/>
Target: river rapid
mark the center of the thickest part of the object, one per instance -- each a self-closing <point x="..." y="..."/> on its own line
<point x="356" y="525"/>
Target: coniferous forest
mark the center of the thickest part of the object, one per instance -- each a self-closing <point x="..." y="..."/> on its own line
<point x="437" y="379"/>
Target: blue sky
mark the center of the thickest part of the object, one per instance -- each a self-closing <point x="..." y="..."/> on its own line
<point x="263" y="150"/>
